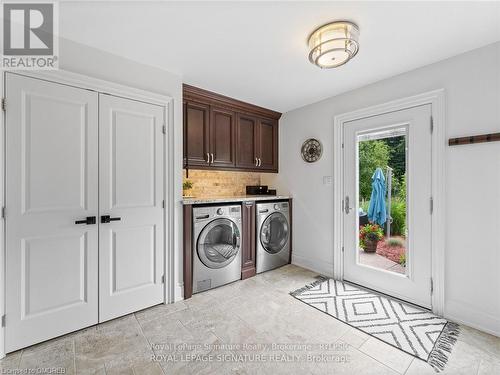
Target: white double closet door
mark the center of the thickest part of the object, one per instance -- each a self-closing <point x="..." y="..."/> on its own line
<point x="84" y="208"/>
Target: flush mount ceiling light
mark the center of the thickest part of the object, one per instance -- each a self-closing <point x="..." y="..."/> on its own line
<point x="333" y="44"/>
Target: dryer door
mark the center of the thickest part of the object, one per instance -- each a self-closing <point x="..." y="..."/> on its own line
<point x="274" y="233"/>
<point x="218" y="243"/>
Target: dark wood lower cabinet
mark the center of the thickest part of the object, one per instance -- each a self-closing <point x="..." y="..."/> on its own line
<point x="248" y="240"/>
<point x="188" y="250"/>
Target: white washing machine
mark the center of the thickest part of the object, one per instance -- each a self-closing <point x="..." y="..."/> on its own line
<point x="216" y="246"/>
<point x="273" y="235"/>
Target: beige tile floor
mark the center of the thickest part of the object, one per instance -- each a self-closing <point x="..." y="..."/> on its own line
<point x="225" y="331"/>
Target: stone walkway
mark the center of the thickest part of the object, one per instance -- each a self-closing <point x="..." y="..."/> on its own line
<point x="378" y="261"/>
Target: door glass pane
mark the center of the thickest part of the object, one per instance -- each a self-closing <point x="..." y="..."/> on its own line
<point x="219" y="243"/>
<point x="382" y="195"/>
<point x="274" y="233"/>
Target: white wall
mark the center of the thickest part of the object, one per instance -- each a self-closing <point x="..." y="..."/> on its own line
<point x="96" y="63"/>
<point x="472" y="255"/>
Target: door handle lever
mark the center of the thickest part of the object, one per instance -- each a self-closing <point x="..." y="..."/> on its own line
<point x="107" y="219"/>
<point x="347" y="208"/>
<point x="89" y="220"/>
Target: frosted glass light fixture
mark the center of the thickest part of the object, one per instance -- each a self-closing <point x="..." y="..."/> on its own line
<point x="333" y="44"/>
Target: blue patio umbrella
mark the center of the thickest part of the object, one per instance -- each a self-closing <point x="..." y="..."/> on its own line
<point x="377" y="211"/>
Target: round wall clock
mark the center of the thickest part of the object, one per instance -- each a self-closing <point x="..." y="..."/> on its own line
<point x="311" y="150"/>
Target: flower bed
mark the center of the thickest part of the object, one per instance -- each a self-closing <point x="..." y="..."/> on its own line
<point x="394" y="253"/>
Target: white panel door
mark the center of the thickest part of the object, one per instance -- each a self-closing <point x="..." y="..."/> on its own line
<point x="51" y="182"/>
<point x="131" y="196"/>
<point x="408" y="275"/>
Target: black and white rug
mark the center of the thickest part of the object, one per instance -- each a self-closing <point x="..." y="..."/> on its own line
<point x="412" y="329"/>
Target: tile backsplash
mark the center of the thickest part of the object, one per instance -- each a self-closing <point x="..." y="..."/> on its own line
<point x="220" y="183"/>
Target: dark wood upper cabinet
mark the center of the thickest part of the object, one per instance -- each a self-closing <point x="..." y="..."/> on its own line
<point x="222" y="138"/>
<point x="228" y="134"/>
<point x="246" y="142"/>
<point x="268" y="144"/>
<point x="196" y="134"/>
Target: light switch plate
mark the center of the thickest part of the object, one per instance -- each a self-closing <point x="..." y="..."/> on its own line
<point x="327" y="180"/>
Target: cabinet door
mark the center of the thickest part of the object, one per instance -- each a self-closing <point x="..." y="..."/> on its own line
<point x="268" y="145"/>
<point x="248" y="248"/>
<point x="246" y="142"/>
<point x="222" y="138"/>
<point x="196" y="134"/>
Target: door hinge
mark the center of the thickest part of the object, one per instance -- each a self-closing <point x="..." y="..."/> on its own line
<point x="3" y="104"/>
<point x="163" y="204"/>
<point x="432" y="205"/>
<point x="342" y="144"/>
<point x="432" y="124"/>
<point x="163" y="279"/>
<point x="432" y="286"/>
<point x="342" y="248"/>
<point x="164" y="129"/>
<point x="3" y="212"/>
<point x="3" y="320"/>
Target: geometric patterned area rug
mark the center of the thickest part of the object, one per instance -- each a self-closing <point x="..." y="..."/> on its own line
<point x="411" y="329"/>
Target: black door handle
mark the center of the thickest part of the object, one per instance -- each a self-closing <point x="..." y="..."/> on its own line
<point x="107" y="219"/>
<point x="89" y="220"/>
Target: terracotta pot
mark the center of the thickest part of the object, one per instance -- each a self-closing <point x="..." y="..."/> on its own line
<point x="371" y="246"/>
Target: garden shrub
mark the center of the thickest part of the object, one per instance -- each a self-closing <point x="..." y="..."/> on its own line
<point x="402" y="260"/>
<point x="372" y="155"/>
<point x="398" y="214"/>
<point x="394" y="242"/>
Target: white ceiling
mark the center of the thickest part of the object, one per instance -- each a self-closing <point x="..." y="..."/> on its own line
<point x="257" y="51"/>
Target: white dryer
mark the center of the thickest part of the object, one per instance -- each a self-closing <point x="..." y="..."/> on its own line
<point x="273" y="235"/>
<point x="216" y="246"/>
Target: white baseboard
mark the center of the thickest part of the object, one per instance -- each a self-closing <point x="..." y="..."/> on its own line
<point x="464" y="314"/>
<point x="316" y="265"/>
<point x="179" y="292"/>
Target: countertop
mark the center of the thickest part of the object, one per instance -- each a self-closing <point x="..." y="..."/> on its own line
<point x="244" y="198"/>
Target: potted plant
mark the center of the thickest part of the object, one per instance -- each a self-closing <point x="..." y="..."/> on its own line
<point x="369" y="236"/>
<point x="186" y="187"/>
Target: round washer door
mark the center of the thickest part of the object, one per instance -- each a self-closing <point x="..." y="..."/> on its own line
<point x="218" y="243"/>
<point x="274" y="233"/>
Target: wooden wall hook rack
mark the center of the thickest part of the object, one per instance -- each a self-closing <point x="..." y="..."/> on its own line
<point x="492" y="137"/>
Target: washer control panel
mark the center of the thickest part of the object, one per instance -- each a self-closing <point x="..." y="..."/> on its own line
<point x="207" y="213"/>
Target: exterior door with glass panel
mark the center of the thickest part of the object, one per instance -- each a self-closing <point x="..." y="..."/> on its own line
<point x="218" y="243"/>
<point x="387" y="203"/>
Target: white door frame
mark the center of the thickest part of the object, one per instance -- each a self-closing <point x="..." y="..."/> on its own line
<point x="437" y="101"/>
<point x="94" y="84"/>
